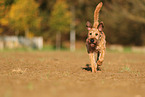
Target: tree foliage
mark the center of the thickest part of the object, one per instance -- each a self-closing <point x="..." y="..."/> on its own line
<point x="60" y="17"/>
<point x="22" y="16"/>
<point x="124" y="20"/>
<point x="2" y="8"/>
<point x="59" y="21"/>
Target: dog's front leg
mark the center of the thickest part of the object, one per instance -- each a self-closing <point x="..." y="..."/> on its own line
<point x="93" y="63"/>
<point x="100" y="58"/>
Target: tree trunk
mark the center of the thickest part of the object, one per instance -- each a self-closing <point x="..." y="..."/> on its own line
<point x="58" y="41"/>
<point x="26" y="32"/>
<point x="17" y="32"/>
<point x="72" y="32"/>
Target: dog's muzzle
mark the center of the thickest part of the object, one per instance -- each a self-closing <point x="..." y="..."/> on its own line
<point x="93" y="42"/>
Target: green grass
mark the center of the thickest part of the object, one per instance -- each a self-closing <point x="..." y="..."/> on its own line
<point x="125" y="68"/>
<point x="127" y="49"/>
<point x="52" y="48"/>
<point x="24" y="49"/>
<point x="47" y="48"/>
<point x="16" y="49"/>
<point x="30" y="86"/>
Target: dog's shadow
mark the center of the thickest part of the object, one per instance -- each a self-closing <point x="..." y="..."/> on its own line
<point x="87" y="67"/>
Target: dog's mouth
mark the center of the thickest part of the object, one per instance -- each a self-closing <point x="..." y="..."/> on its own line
<point x="93" y="45"/>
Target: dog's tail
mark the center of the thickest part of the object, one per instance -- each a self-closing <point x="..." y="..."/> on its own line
<point x="96" y="14"/>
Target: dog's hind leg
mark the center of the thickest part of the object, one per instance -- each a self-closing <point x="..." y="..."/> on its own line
<point x="93" y="62"/>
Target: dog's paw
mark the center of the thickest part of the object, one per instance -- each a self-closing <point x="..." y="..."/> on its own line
<point x="99" y="68"/>
<point x="99" y="63"/>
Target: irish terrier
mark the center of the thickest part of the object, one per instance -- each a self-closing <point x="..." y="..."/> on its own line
<point x="96" y="43"/>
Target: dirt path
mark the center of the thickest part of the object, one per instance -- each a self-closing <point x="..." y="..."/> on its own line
<point x="61" y="74"/>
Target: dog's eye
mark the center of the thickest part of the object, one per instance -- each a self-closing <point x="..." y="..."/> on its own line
<point x="96" y="34"/>
<point x="90" y="33"/>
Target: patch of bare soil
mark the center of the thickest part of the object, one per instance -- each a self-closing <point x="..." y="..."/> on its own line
<point x="67" y="74"/>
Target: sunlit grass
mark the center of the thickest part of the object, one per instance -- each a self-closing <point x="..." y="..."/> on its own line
<point x="47" y="47"/>
<point x="125" y="68"/>
<point x="30" y="86"/>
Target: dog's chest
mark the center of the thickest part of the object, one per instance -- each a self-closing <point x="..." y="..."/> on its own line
<point x="98" y="48"/>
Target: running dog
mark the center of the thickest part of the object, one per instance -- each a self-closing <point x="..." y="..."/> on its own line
<point x="96" y="43"/>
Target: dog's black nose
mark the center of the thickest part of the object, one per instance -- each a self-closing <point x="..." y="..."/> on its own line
<point x="92" y="40"/>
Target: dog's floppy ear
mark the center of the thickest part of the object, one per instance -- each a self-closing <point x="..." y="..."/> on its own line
<point x="89" y="25"/>
<point x="100" y="26"/>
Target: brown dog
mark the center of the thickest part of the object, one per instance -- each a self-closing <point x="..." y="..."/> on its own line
<point x="96" y="43"/>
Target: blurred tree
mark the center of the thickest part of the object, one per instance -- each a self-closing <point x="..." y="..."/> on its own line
<point x="59" y="21"/>
<point x="83" y="13"/>
<point x="45" y="9"/>
<point x="4" y="10"/>
<point x="23" y="17"/>
<point x="72" y="30"/>
<point x="125" y="21"/>
<point x="1" y="12"/>
<point x="2" y="6"/>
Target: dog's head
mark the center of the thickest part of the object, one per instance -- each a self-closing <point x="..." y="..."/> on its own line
<point x="94" y="33"/>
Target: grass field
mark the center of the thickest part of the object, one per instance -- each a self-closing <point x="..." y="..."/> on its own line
<point x="66" y="74"/>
